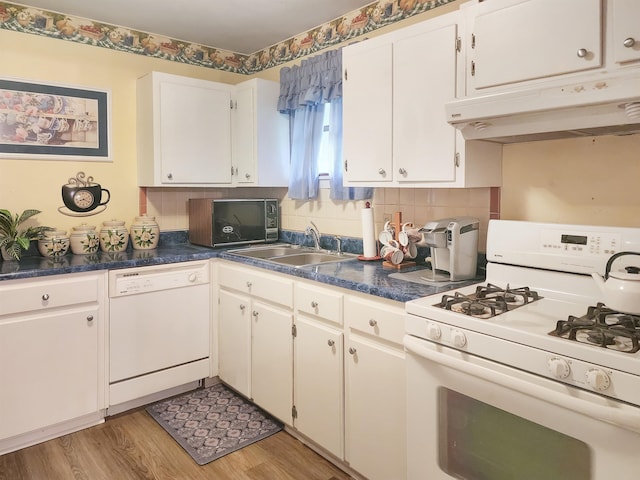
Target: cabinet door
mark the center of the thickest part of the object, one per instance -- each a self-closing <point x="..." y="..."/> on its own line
<point x="48" y="369"/>
<point x="375" y="410"/>
<point x="272" y="360"/>
<point x="318" y="390"/>
<point x="195" y="133"/>
<point x="367" y="113"/>
<point x="234" y="346"/>
<point x="423" y="141"/>
<point x="519" y="40"/>
<point x="626" y="30"/>
<point x="244" y="136"/>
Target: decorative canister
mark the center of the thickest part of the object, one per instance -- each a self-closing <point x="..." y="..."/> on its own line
<point x="53" y="243"/>
<point x="114" y="236"/>
<point x="84" y="239"/>
<point x="145" y="233"/>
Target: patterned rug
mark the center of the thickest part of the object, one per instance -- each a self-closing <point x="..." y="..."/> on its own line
<point x="212" y="422"/>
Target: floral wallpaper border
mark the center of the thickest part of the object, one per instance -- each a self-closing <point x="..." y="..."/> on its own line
<point x="25" y="19"/>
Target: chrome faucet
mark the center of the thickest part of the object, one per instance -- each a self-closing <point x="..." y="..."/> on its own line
<point x="338" y="245"/>
<point x="315" y="234"/>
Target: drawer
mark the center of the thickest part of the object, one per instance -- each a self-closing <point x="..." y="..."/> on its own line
<point x="265" y="286"/>
<point x="36" y="294"/>
<point x="375" y="318"/>
<point x="321" y="302"/>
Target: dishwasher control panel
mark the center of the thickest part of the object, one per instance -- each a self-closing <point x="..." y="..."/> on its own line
<point x="132" y="281"/>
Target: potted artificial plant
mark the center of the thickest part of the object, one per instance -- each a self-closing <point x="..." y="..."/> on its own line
<point x="13" y="239"/>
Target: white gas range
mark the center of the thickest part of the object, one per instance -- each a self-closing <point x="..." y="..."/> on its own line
<point x="529" y="363"/>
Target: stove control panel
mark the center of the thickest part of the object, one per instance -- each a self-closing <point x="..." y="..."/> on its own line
<point x="580" y="243"/>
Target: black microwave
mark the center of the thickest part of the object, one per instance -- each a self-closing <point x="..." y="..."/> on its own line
<point x="223" y="222"/>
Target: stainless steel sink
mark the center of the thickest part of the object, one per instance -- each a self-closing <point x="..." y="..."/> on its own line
<point x="293" y="255"/>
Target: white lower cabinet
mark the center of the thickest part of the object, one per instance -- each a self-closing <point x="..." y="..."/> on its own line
<point x="255" y="319"/>
<point x="234" y="347"/>
<point x="318" y="380"/>
<point x="51" y="354"/>
<point x="271" y="359"/>
<point x="337" y="378"/>
<point x="375" y="409"/>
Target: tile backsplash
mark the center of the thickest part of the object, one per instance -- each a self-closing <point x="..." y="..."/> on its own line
<point x="418" y="205"/>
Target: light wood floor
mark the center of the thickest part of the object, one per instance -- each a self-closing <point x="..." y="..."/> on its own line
<point x="133" y="446"/>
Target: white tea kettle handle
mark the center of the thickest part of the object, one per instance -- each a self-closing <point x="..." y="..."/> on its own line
<point x="613" y="258"/>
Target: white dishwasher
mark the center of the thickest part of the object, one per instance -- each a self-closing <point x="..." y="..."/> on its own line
<point x="159" y="328"/>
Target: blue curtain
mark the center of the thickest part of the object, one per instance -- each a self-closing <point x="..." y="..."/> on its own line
<point x="304" y="89"/>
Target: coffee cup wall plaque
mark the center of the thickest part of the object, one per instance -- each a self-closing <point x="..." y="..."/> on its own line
<point x="83" y="197"/>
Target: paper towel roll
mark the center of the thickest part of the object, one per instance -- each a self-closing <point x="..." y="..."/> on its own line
<point x="368" y="234"/>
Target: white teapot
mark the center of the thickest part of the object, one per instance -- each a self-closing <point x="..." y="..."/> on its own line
<point x="621" y="288"/>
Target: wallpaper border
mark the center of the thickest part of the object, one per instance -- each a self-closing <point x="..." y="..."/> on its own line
<point x="378" y="14"/>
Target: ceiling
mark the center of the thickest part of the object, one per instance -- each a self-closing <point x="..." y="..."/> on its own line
<point x="241" y="26"/>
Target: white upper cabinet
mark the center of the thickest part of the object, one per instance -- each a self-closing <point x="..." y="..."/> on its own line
<point x="367" y="111"/>
<point x="184" y="131"/>
<point x="518" y="40"/>
<point x="625" y="30"/>
<point x="423" y="143"/>
<point x="260" y="135"/>
<point x="195" y="132"/>
<point x="395" y="129"/>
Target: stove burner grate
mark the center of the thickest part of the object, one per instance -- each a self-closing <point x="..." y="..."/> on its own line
<point x="488" y="300"/>
<point x="603" y="327"/>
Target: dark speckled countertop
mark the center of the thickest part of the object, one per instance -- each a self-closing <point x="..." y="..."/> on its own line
<point x="361" y="276"/>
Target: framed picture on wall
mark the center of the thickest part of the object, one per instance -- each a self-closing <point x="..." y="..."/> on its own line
<point x="41" y="121"/>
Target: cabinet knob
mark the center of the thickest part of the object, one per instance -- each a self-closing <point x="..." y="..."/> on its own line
<point x="242" y="307"/>
<point x="331" y="343"/>
<point x="352" y="351"/>
<point x="249" y="284"/>
<point x="582" y="52"/>
<point x="247" y="176"/>
<point x="402" y="171"/>
<point x="170" y="176"/>
<point x="89" y="318"/>
<point x="372" y="323"/>
<point x="381" y="171"/>
<point x="45" y="297"/>
<point x="254" y="313"/>
<point x="314" y="304"/>
<point x="629" y="42"/>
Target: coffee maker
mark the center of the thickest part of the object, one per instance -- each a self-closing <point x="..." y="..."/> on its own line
<point x="454" y="246"/>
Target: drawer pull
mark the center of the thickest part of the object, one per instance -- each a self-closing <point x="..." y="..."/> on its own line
<point x="89" y="318"/>
<point x="331" y="343"/>
<point x="372" y="323"/>
<point x="249" y="284"/>
<point x="45" y="297"/>
<point x="352" y="350"/>
<point x="314" y="304"/>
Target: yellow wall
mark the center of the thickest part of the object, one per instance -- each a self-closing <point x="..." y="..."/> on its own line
<point x="591" y="181"/>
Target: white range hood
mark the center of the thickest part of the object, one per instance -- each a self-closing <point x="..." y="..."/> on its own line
<point x="602" y="105"/>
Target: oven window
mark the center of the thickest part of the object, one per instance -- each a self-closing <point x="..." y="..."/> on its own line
<point x="480" y="442"/>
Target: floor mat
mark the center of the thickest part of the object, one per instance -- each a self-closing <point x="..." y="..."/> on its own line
<point x="212" y="422"/>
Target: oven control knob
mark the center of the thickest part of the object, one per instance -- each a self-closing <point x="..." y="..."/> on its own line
<point x="458" y="339"/>
<point x="598" y="379"/>
<point x="434" y="332"/>
<point x="558" y="367"/>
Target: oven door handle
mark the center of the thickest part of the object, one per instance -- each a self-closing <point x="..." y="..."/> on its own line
<point x="625" y="419"/>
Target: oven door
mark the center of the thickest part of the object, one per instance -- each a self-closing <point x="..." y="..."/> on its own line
<point x="470" y="418"/>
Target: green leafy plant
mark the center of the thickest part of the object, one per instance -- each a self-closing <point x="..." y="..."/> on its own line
<point x="13" y="239"/>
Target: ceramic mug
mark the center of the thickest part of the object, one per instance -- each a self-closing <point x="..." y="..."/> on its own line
<point x="386" y="235"/>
